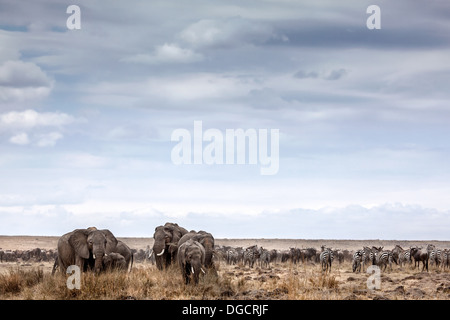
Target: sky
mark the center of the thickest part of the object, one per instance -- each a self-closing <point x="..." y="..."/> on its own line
<point x="87" y="117"/>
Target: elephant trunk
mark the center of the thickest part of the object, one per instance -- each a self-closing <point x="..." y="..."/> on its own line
<point x="196" y="270"/>
<point x="208" y="258"/>
<point x="159" y="248"/>
<point x="98" y="258"/>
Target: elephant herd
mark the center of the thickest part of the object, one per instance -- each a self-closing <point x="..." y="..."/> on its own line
<point x="99" y="250"/>
<point x="193" y="251"/>
<point x="92" y="249"/>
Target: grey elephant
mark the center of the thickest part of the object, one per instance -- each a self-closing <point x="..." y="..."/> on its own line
<point x="126" y="252"/>
<point x="206" y="239"/>
<point x="165" y="243"/>
<point x="191" y="259"/>
<point x="84" y="248"/>
<point x="114" y="261"/>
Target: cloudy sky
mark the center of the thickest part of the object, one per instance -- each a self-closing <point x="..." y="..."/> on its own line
<point x="86" y="117"/>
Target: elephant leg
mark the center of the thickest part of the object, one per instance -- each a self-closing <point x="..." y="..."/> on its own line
<point x="187" y="273"/>
<point x="80" y="263"/>
<point x="167" y="259"/>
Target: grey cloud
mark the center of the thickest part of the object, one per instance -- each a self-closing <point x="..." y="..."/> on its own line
<point x="336" y="74"/>
<point x="228" y="33"/>
<point x="306" y="74"/>
<point x="21" y="74"/>
<point x="332" y="75"/>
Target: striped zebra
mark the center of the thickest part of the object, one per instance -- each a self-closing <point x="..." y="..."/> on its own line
<point x="436" y="256"/>
<point x="368" y="257"/>
<point x="264" y="257"/>
<point x="401" y="255"/>
<point x="232" y="256"/>
<point x="357" y="260"/>
<point x="326" y="258"/>
<point x="445" y="258"/>
<point x="383" y="258"/>
<point x="251" y="254"/>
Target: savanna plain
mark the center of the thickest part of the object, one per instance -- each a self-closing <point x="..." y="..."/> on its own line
<point x="283" y="279"/>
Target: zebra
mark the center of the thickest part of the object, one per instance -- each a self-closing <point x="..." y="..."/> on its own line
<point x="436" y="256"/>
<point x="264" y="257"/>
<point x="384" y="257"/>
<point x="326" y="258"/>
<point x="445" y="258"/>
<point x="251" y="254"/>
<point x="232" y="256"/>
<point x="368" y="256"/>
<point x="357" y="260"/>
<point x="401" y="255"/>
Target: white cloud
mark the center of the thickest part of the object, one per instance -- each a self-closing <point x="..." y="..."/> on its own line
<point x="167" y="53"/>
<point x="29" y="127"/>
<point x="48" y="139"/>
<point x="31" y="119"/>
<point x="229" y="32"/>
<point x="20" y="139"/>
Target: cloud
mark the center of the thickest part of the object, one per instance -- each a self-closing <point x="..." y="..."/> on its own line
<point x="31" y="119"/>
<point x="48" y="139"/>
<point x="29" y="126"/>
<point x="406" y="222"/>
<point x="22" y="82"/>
<point x="306" y="74"/>
<point x="228" y="33"/>
<point x="335" y="74"/>
<point x="21" y="74"/>
<point x="20" y="139"/>
<point x="167" y="53"/>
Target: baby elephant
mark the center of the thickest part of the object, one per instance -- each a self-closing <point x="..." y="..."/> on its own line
<point x="114" y="261"/>
<point x="191" y="258"/>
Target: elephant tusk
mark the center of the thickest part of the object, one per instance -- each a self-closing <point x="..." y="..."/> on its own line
<point x="106" y="254"/>
<point x="94" y="256"/>
<point x="203" y="270"/>
<point x="192" y="270"/>
<point x="160" y="254"/>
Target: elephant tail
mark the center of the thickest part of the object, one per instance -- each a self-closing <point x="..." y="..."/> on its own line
<point x="55" y="265"/>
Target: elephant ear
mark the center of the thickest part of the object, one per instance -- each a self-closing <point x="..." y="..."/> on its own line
<point x="181" y="253"/>
<point x="111" y="241"/>
<point x="177" y="234"/>
<point x="78" y="241"/>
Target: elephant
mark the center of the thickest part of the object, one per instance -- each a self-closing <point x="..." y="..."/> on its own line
<point x="126" y="253"/>
<point x="114" y="261"/>
<point x="206" y="239"/>
<point x="84" y="248"/>
<point x="191" y="259"/>
<point x="165" y="243"/>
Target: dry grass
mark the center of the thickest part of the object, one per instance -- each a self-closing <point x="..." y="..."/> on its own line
<point x="283" y="281"/>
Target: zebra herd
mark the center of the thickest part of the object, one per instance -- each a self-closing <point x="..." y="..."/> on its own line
<point x="249" y="256"/>
<point x="360" y="259"/>
<point x="264" y="257"/>
<point x="381" y="257"/>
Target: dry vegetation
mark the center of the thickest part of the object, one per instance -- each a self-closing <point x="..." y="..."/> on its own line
<point x="282" y="281"/>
